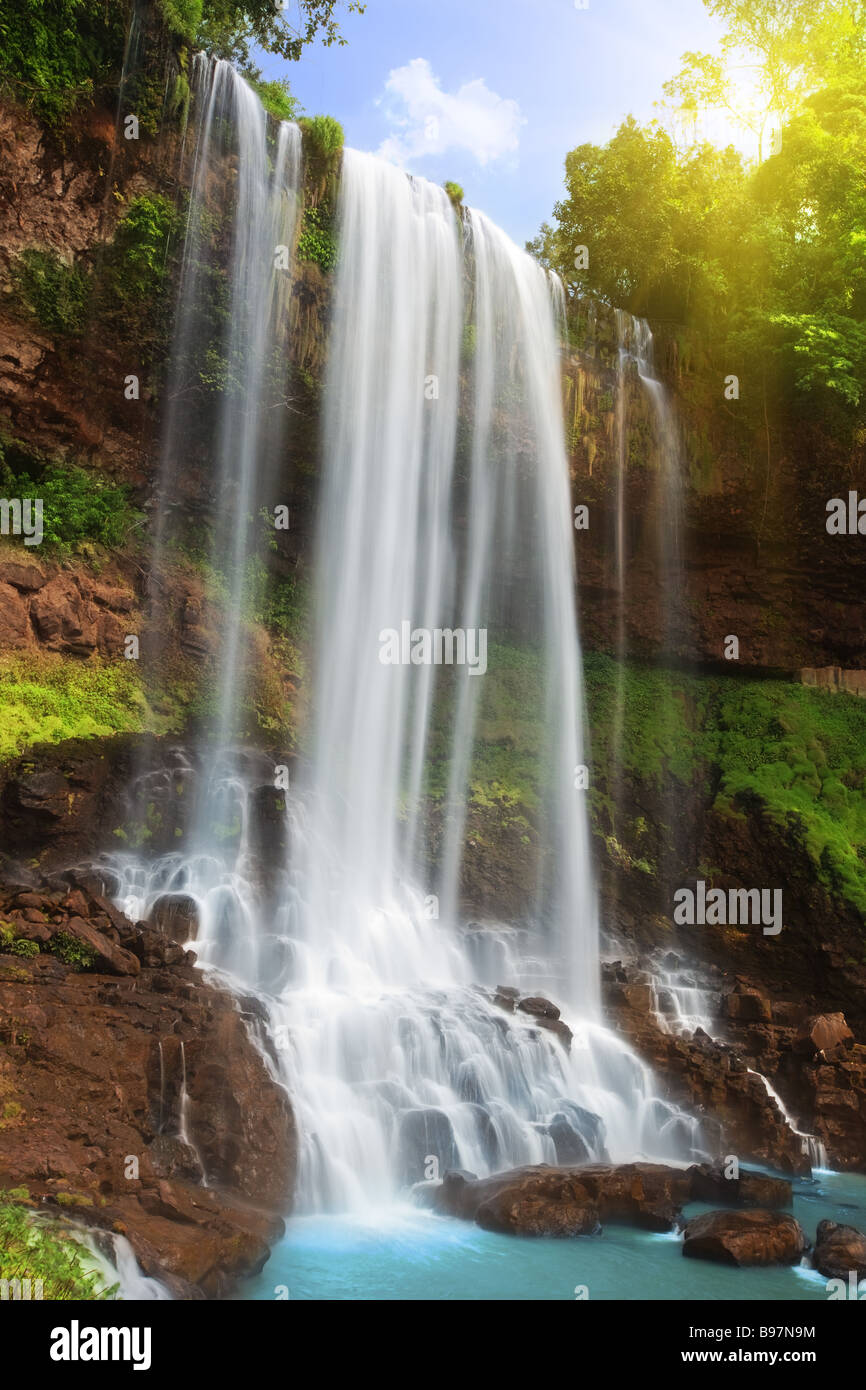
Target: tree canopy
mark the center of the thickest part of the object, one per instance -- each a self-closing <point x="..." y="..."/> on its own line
<point x="764" y="259"/>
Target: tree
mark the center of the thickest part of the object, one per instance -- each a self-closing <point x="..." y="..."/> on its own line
<point x="232" y="28"/>
<point x="772" y="55"/>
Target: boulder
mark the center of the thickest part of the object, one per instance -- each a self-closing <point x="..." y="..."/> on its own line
<point x="110" y="959"/>
<point x="823" y="1033"/>
<point x="63" y="618"/>
<point x="14" y="627"/>
<point x="175" y="915"/>
<point x="25" y="575"/>
<point x="757" y="1237"/>
<point x="709" y="1184"/>
<point x="538" y="1007"/>
<point x="547" y="1201"/>
<point x="424" y="1134"/>
<point x="838" y="1250"/>
<point x="748" y="1006"/>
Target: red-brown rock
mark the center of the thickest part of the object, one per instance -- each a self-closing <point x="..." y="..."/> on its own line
<point x="745" y="1238"/>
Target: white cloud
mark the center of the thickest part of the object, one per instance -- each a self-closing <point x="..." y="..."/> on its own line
<point x="426" y="120"/>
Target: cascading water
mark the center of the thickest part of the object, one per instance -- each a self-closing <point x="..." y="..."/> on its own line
<point x="444" y="509"/>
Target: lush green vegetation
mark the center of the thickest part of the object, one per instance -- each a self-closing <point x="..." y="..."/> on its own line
<point x="125" y="292"/>
<point x="52" y="699"/>
<point x="58" y="55"/>
<point x="454" y="191"/>
<point x="235" y="28"/>
<point x="37" y="1249"/>
<point x="55" y="292"/>
<point x="55" y="54"/>
<point x="71" y="951"/>
<point x="317" y="242"/>
<point x="797" y="753"/>
<point x="761" y="263"/>
<point x="276" y="97"/>
<point x="78" y="506"/>
<point x="13" y="945"/>
<point x="323" y="136"/>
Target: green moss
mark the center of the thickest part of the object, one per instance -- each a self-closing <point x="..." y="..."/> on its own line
<point x="56" y="698"/>
<point x="35" y="1249"/>
<point x="455" y="193"/>
<point x="74" y="1199"/>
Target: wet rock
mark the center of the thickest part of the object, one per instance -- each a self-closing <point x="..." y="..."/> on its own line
<point x="544" y="1200"/>
<point x="559" y="1029"/>
<point x="742" y="1238"/>
<point x="585" y="1127"/>
<point x="81" y="1057"/>
<point x="424" y="1134"/>
<point x="538" y="1007"/>
<point x="838" y="1250"/>
<point x="175" y="915"/>
<point x="269" y="827"/>
<point x="506" y="998"/>
<point x="170" y="1157"/>
<point x="749" y="1189"/>
<point x="571" y="1147"/>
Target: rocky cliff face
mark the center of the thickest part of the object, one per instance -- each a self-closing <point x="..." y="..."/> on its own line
<point x="134" y="1095"/>
<point x="757" y="560"/>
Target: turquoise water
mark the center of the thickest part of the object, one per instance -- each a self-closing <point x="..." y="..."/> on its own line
<point x="407" y="1254"/>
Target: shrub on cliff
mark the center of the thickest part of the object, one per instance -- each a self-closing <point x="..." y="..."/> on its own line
<point x="316" y="242"/>
<point x="55" y="292"/>
<point x="276" y="97"/>
<point x="323" y="136"/>
<point x="77" y="506"/>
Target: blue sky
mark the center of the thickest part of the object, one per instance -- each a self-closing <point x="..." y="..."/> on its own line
<point x="493" y="93"/>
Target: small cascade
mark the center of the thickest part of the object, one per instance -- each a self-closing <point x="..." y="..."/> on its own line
<point x="811" y="1145"/>
<point x="636" y="347"/>
<point x="680" y="1003"/>
<point x="161" y="1129"/>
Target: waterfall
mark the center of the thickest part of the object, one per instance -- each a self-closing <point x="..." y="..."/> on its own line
<point x="810" y="1144"/>
<point x="444" y="552"/>
<point x="636" y="351"/>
